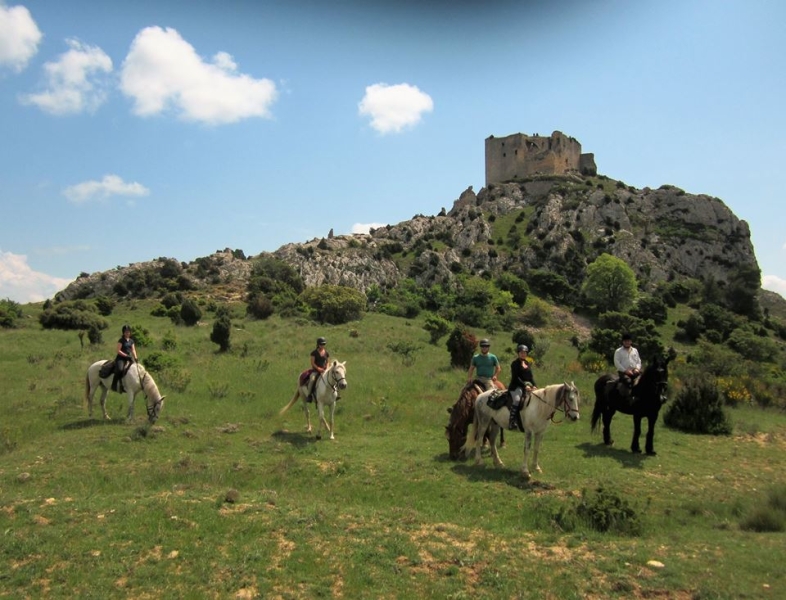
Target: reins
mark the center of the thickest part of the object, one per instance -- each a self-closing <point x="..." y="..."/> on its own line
<point x="561" y="404"/>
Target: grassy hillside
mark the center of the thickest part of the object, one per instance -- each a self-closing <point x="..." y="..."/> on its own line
<point x="224" y="498"/>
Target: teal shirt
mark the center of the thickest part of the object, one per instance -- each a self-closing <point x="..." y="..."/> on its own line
<point x="485" y="365"/>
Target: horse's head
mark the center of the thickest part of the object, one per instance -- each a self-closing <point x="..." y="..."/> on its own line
<point x="461" y="415"/>
<point x="154" y="409"/>
<point x="654" y="380"/>
<point x="338" y="375"/>
<point x="571" y="399"/>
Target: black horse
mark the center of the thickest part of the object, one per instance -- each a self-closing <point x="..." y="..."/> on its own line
<point x="648" y="395"/>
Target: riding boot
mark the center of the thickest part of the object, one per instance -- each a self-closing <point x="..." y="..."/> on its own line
<point x="514" y="415"/>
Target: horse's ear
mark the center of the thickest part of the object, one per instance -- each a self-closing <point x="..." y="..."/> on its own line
<point x="162" y="398"/>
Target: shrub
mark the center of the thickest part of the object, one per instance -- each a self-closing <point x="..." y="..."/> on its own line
<point x="523" y="336"/>
<point x="698" y="408"/>
<point x="461" y="345"/>
<point x="436" y="327"/>
<point x="190" y="312"/>
<point x="335" y="304"/>
<point x="169" y="342"/>
<point x="603" y="511"/>
<point x="260" y="307"/>
<point x="10" y="311"/>
<point x="592" y="362"/>
<point x="156" y="362"/>
<point x="72" y="315"/>
<point x="769" y="516"/>
<point x="105" y="305"/>
<point x="222" y="329"/>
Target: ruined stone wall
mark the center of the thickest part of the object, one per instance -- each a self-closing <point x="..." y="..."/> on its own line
<point x="518" y="156"/>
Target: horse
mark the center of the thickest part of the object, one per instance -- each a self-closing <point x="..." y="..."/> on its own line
<point x="461" y="415"/>
<point x="536" y="414"/>
<point x="325" y="392"/>
<point x="647" y="396"/>
<point x="136" y="380"/>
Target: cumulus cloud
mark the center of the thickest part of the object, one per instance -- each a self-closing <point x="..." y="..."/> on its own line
<point x="110" y="185"/>
<point x="366" y="227"/>
<point x="774" y="284"/>
<point x="394" y="107"/>
<point x="76" y="82"/>
<point x="19" y="37"/>
<point x="163" y="71"/>
<point x="20" y="283"/>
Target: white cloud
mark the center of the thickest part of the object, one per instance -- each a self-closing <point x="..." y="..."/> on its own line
<point x="394" y="107"/>
<point x="163" y="71"/>
<point x="366" y="227"/>
<point x="20" y="283"/>
<point x="76" y="82"/>
<point x="774" y="284"/>
<point x="19" y="37"/>
<point x="110" y="185"/>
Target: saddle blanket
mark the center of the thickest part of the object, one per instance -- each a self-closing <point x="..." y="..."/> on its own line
<point x="497" y="399"/>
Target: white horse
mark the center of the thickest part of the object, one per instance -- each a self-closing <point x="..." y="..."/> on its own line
<point x="539" y="411"/>
<point x="136" y="380"/>
<point x="325" y="392"/>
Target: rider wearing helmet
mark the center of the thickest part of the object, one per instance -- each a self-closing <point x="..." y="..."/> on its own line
<point x="126" y="353"/>
<point x="521" y="380"/>
<point x="319" y="362"/>
<point x="487" y="366"/>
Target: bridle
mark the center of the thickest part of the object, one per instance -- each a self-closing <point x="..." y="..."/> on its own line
<point x="336" y="380"/>
<point x="562" y="405"/>
<point x="152" y="409"/>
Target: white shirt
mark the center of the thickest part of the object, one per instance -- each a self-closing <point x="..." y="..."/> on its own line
<point x="627" y="358"/>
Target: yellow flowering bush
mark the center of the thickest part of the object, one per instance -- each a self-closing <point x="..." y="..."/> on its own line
<point x="735" y="391"/>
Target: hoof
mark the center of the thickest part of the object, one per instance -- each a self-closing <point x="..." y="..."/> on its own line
<point x="651" y="453"/>
<point x="319" y="437"/>
<point x="609" y="443"/>
<point x="636" y="450"/>
<point x="525" y="475"/>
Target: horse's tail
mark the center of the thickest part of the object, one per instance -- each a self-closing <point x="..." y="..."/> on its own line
<point x="291" y="402"/>
<point x="600" y="401"/>
<point x="87" y="387"/>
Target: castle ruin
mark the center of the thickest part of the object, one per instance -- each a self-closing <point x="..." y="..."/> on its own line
<point x="519" y="156"/>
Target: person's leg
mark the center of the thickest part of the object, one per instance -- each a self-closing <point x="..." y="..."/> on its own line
<point x="515" y="395"/>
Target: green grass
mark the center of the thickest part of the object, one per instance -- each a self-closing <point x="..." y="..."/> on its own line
<point x="108" y="509"/>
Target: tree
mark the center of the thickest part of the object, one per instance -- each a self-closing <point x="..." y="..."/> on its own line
<point x="221" y="331"/>
<point x="335" y="304"/>
<point x="461" y="345"/>
<point x="190" y="312"/>
<point x="610" y="284"/>
<point x="436" y="327"/>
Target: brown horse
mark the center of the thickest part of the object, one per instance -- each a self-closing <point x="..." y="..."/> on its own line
<point x="461" y="416"/>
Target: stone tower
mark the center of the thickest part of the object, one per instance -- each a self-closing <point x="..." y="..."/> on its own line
<point x="519" y="156"/>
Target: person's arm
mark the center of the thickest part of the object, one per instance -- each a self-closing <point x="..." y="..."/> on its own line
<point x="497" y="371"/>
<point x="471" y="370"/>
<point x="618" y="361"/>
<point x="133" y="352"/>
<point x="314" y="366"/>
<point x="636" y="360"/>
<point x="120" y="348"/>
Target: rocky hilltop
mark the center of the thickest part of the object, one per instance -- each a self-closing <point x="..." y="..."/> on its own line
<point x="558" y="223"/>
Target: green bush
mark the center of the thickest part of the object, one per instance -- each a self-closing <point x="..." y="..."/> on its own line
<point x="436" y="327"/>
<point x="698" y="408"/>
<point x="335" y="304"/>
<point x="222" y="329"/>
<point x="461" y="345"/>
<point x="105" y="305"/>
<point x="74" y="315"/>
<point x="260" y="307"/>
<point x="602" y="510"/>
<point x="190" y="312"/>
<point x="769" y="516"/>
<point x="155" y="362"/>
<point x="10" y="311"/>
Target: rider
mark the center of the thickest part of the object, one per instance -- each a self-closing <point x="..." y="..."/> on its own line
<point x="319" y="363"/>
<point x="627" y="363"/>
<point x="487" y="365"/>
<point x="521" y="380"/>
<point x="126" y="352"/>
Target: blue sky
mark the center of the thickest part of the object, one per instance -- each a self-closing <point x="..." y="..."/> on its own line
<point x="135" y="130"/>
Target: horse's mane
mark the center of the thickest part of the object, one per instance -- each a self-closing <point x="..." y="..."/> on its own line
<point x="462" y="413"/>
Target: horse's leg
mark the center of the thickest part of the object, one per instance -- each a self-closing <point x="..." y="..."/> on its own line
<point x="536" y="452"/>
<point x="104" y="394"/>
<point x="527" y="442"/>
<point x="649" y="444"/>
<point x="131" y="396"/>
<point x="480" y="434"/>
<point x="634" y="446"/>
<point x="304" y="397"/>
<point x="332" y="413"/>
<point x="494" y="429"/>
<point x="608" y="414"/>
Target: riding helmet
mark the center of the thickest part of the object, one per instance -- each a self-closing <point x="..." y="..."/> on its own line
<point x="522" y="348"/>
<point x="484" y="342"/>
<point x="126" y="328"/>
<point x="627" y="336"/>
<point x="321" y="340"/>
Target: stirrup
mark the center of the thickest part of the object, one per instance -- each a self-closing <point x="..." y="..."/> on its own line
<point x="512" y="425"/>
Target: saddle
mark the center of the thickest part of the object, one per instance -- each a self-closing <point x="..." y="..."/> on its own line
<point x="117" y="382"/>
<point x="499" y="398"/>
<point x="106" y="369"/>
